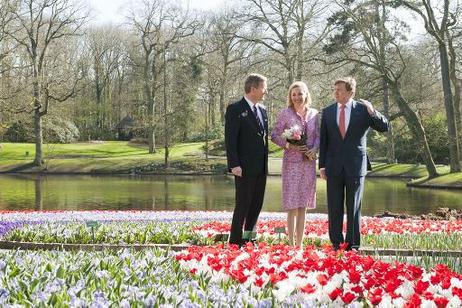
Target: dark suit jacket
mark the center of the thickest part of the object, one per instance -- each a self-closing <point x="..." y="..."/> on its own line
<point x="348" y="154"/>
<point x="246" y="145"/>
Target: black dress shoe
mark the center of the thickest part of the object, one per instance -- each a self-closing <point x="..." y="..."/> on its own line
<point x="352" y="247"/>
<point x="238" y="243"/>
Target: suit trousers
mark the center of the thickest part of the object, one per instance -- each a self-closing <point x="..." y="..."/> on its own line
<point x="250" y="191"/>
<point x="343" y="190"/>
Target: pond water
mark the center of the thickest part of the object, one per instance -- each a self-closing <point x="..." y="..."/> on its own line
<point x="32" y="192"/>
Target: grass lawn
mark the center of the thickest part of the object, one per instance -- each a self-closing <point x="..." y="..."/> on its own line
<point x="445" y="180"/>
<point x="101" y="157"/>
<point x="419" y="174"/>
<point x="106" y="149"/>
<point x="403" y="170"/>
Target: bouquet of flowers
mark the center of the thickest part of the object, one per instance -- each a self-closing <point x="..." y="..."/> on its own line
<point x="294" y="135"/>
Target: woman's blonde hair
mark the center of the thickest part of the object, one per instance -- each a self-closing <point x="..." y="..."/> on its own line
<point x="304" y="87"/>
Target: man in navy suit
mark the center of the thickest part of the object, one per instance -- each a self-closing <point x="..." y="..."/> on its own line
<point x="246" y="139"/>
<point x="343" y="161"/>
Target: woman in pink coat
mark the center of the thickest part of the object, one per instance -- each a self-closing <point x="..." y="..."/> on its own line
<point x="297" y="131"/>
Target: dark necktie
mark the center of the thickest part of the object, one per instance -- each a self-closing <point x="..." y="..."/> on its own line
<point x="260" y="125"/>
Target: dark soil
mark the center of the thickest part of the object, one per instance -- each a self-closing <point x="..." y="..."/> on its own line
<point x="443" y="213"/>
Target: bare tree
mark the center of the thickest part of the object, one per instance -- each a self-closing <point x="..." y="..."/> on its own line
<point x="382" y="33"/>
<point x="230" y="50"/>
<point x="7" y="7"/>
<point x="41" y="25"/>
<point x="158" y="24"/>
<point x="454" y="49"/>
<point x="438" y="28"/>
<point x="105" y="46"/>
<point x="6" y="17"/>
<point x="292" y="29"/>
<point x="358" y="42"/>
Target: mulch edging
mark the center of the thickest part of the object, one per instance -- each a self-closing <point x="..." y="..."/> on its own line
<point x="409" y="253"/>
<point x="87" y="247"/>
<point x="13" y="245"/>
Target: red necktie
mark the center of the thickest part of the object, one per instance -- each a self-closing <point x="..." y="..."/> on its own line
<point x="341" y="121"/>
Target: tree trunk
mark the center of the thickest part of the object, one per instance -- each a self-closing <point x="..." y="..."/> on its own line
<point x="457" y="94"/>
<point x="381" y="12"/>
<point x="213" y="108"/>
<point x="449" y="107"/>
<point x="222" y="94"/>
<point x="150" y="104"/>
<point x="152" y="131"/>
<point x="207" y="114"/>
<point x="38" y="161"/>
<point x="457" y="84"/>
<point x="416" y="128"/>
<point x="289" y="67"/>
<point x="166" y="141"/>
<point x="300" y="38"/>
<point x="99" y="103"/>
<point x="222" y="105"/>
<point x="299" y="73"/>
<point x="386" y="108"/>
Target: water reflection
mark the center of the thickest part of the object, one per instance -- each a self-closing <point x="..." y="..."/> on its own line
<point x="193" y="193"/>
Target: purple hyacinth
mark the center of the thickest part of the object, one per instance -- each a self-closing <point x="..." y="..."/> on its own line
<point x="7" y="226"/>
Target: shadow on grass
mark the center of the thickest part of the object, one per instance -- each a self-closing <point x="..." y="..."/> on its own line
<point x="101" y="154"/>
<point x="20" y="168"/>
<point x="399" y="170"/>
<point x="414" y="170"/>
<point x="380" y="167"/>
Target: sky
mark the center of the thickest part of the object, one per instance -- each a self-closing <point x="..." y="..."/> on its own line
<point x="107" y="11"/>
<point x="112" y="11"/>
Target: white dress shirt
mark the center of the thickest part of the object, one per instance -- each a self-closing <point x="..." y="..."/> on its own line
<point x="348" y="106"/>
<point x="251" y="104"/>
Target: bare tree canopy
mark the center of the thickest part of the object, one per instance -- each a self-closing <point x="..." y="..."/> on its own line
<point x="166" y="74"/>
<point x="40" y="26"/>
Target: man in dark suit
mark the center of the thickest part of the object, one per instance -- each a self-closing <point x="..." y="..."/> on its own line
<point x="343" y="161"/>
<point x="246" y="139"/>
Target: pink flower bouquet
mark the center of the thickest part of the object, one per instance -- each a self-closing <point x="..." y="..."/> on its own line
<point x="294" y="135"/>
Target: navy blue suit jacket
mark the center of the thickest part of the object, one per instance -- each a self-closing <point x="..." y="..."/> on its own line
<point x="246" y="144"/>
<point x="348" y="154"/>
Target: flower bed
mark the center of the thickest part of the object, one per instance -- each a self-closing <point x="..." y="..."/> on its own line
<point x="148" y="227"/>
<point x="376" y="233"/>
<point x="262" y="276"/>
<point x="166" y="216"/>
<point x="330" y="278"/>
<point x="369" y="226"/>
<point x="153" y="227"/>
<point x="110" y="233"/>
<point x="119" y="279"/>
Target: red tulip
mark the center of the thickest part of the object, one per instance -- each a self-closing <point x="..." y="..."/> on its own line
<point x="413" y="302"/>
<point x="322" y="279"/>
<point x="441" y="302"/>
<point x="336" y="293"/>
<point x="421" y="286"/>
<point x="309" y="288"/>
<point x="348" y="297"/>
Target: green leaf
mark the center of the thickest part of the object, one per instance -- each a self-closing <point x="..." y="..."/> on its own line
<point x="14" y="272"/>
<point x="60" y="273"/>
<point x="53" y="300"/>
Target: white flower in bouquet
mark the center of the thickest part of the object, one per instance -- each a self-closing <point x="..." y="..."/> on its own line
<point x="294" y="135"/>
